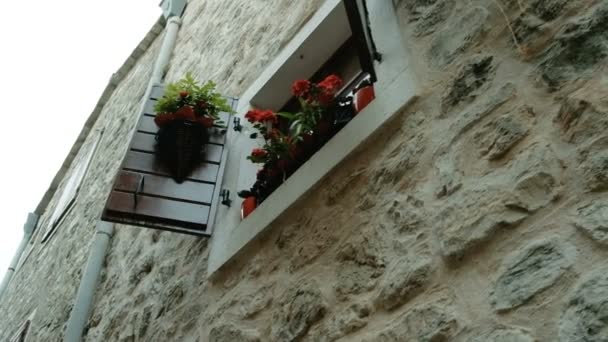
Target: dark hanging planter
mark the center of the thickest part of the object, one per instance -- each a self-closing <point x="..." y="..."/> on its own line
<point x="180" y="146"/>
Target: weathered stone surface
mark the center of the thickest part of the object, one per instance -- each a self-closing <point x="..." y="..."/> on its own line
<point x="413" y="5"/>
<point x="354" y="318"/>
<point x="141" y="269"/>
<point x="595" y="171"/>
<point x="457" y="36"/>
<point x="449" y="177"/>
<point x="407" y="214"/>
<point x="254" y="303"/>
<point x="300" y="307"/>
<point x="361" y="260"/>
<point x="470" y="117"/>
<point x="470" y="81"/>
<point x="426" y="323"/>
<point x="586" y="313"/>
<point x="397" y="163"/>
<point x="530" y="271"/>
<point x="229" y="332"/>
<point x="499" y="136"/>
<point x="533" y="191"/>
<point x="472" y="217"/>
<point x="580" y="120"/>
<point x="548" y="10"/>
<point x="592" y="219"/>
<point x="405" y="278"/>
<point x="578" y="48"/>
<point x="429" y="17"/>
<point x="504" y="334"/>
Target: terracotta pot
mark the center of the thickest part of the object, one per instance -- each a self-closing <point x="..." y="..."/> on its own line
<point x="248" y="206"/>
<point x="363" y="97"/>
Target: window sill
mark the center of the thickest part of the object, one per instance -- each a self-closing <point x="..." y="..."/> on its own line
<point x="227" y="244"/>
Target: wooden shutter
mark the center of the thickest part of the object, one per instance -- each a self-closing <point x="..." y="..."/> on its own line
<point x="70" y="189"/>
<point x="144" y="194"/>
<point x="358" y="18"/>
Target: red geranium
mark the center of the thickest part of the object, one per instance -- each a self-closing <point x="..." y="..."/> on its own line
<point x="256" y="115"/>
<point x="259" y="153"/>
<point x="331" y="84"/>
<point x="300" y="88"/>
<point x="185" y="113"/>
<point x="184" y="93"/>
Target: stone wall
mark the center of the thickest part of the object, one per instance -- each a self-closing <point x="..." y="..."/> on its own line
<point x="479" y="214"/>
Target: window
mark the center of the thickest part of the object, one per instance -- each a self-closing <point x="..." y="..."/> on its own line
<point x="70" y="189"/>
<point x="328" y="31"/>
<point x="21" y="334"/>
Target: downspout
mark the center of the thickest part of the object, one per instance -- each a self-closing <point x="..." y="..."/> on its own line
<point x="28" y="229"/>
<point x="86" y="291"/>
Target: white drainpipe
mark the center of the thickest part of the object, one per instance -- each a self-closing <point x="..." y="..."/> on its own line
<point x="28" y="229"/>
<point x="90" y="277"/>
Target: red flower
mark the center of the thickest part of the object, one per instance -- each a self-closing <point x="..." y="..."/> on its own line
<point x="257" y="115"/>
<point x="300" y="88"/>
<point x="184" y="93"/>
<point x="205" y="121"/>
<point x="267" y="115"/>
<point x="259" y="153"/>
<point x="162" y="119"/>
<point x="331" y="84"/>
<point x="185" y="113"/>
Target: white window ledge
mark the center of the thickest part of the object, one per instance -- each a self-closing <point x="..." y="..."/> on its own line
<point x="395" y="89"/>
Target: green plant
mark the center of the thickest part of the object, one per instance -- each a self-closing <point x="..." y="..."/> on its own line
<point x="187" y="99"/>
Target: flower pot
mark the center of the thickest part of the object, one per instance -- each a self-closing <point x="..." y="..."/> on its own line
<point x="248" y="206"/>
<point x="179" y="147"/>
<point x="363" y="97"/>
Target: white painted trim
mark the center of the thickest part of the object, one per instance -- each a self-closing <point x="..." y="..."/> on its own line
<point x="395" y="89"/>
<point x="288" y="51"/>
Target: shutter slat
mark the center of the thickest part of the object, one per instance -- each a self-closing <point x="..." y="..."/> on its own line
<point x="149" y="107"/>
<point x="145" y="142"/>
<point x="146" y="124"/>
<point x="191" y="215"/>
<point x="148" y="162"/>
<point x="165" y="187"/>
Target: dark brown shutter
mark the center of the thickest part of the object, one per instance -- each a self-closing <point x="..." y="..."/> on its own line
<point x="358" y="19"/>
<point x="70" y="189"/>
<point x="144" y="194"/>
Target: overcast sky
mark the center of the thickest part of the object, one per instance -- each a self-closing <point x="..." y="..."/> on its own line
<point x="56" y="57"/>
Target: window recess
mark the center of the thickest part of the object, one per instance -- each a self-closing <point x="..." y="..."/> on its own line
<point x="70" y="190"/>
<point x="344" y="25"/>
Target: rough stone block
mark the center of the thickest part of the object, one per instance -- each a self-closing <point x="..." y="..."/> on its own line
<point x="300" y="307"/>
<point x="592" y="219"/>
<point x="585" y="316"/>
<point x="405" y="278"/>
<point x="530" y="271"/>
<point x="457" y="36"/>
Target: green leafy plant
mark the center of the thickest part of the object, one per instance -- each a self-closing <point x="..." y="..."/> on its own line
<point x="188" y="100"/>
